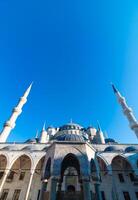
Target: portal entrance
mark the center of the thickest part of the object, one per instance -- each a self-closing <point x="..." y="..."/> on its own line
<point x="70" y="186"/>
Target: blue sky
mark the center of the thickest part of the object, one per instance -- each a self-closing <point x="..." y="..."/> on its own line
<point x="72" y="50"/>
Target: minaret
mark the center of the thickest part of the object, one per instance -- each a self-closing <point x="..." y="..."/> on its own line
<point x="99" y="135"/>
<point x="44" y="138"/>
<point x="10" y="124"/>
<point x="127" y="111"/>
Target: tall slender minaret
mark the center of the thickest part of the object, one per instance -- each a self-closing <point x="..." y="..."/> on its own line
<point x="127" y="111"/>
<point x="10" y="124"/>
<point x="100" y="136"/>
<point x="44" y="138"/>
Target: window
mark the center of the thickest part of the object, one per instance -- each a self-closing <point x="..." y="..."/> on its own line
<point x="121" y="178"/>
<point x="1" y="174"/>
<point x="132" y="177"/>
<point x="126" y="196"/>
<point x="22" y="175"/>
<point x="103" y="195"/>
<point x="16" y="195"/>
<point x="4" y="194"/>
<point x="10" y="176"/>
<point x="136" y="195"/>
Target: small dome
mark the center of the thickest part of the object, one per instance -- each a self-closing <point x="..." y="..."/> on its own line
<point x="31" y="147"/>
<point x="10" y="148"/>
<point x="112" y="148"/>
<point x="70" y="126"/>
<point x="110" y="140"/>
<point x="32" y="141"/>
<point x="69" y="137"/>
<point x="131" y="148"/>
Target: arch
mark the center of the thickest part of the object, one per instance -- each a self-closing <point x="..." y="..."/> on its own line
<point x="47" y="173"/>
<point x="39" y="164"/>
<point x="19" y="170"/>
<point x="7" y="157"/>
<point x="21" y="162"/>
<point x="121" y="163"/>
<point x="80" y="155"/>
<point x="123" y="158"/>
<point x="102" y="166"/>
<point x="70" y="173"/>
<point x="20" y="155"/>
<point x="3" y="161"/>
<point x="70" y="160"/>
<point x="107" y="164"/>
<point x="103" y="159"/>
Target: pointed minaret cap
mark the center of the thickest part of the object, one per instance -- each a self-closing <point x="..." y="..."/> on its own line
<point x="28" y="90"/>
<point x="99" y="127"/>
<point x="114" y="88"/>
<point x="37" y="132"/>
<point x="44" y="127"/>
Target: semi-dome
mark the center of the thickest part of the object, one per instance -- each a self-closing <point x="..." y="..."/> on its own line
<point x="69" y="137"/>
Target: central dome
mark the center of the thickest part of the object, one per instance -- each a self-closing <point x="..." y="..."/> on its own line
<point x="70" y="132"/>
<point x="70" y="126"/>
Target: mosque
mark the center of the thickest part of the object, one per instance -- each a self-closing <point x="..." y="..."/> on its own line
<point x="70" y="162"/>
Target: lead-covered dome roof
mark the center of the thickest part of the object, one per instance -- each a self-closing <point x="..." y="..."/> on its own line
<point x="69" y="137"/>
<point x="70" y="132"/>
<point x="70" y="126"/>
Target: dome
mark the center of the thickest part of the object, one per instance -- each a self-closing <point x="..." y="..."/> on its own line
<point x="110" y="140"/>
<point x="10" y="148"/>
<point x="70" y="126"/>
<point x="69" y="137"/>
<point x="112" y="148"/>
<point x="32" y="141"/>
<point x="131" y="148"/>
<point x="31" y="147"/>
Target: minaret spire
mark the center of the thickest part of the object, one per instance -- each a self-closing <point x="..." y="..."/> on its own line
<point x="44" y="138"/>
<point x="99" y="134"/>
<point x="127" y="111"/>
<point x="10" y="124"/>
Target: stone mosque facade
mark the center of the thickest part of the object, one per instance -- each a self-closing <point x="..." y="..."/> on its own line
<point x="70" y="162"/>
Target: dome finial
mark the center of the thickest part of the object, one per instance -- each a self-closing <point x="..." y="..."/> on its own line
<point x="37" y="132"/>
<point x="44" y="127"/>
<point x="98" y="125"/>
<point x="71" y="121"/>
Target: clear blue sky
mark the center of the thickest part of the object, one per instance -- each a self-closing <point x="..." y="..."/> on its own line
<point x="72" y="50"/>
